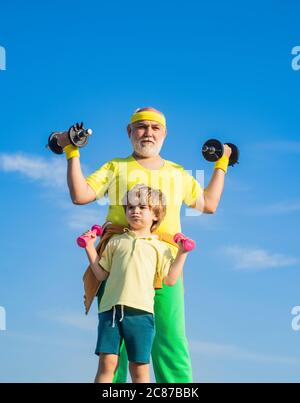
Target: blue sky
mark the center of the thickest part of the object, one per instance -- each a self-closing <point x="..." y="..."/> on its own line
<point x="217" y="69"/>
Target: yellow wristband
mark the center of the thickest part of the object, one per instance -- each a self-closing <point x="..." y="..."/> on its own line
<point x="71" y="151"/>
<point x="222" y="163"/>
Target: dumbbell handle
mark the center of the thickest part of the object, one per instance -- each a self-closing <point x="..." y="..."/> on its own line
<point x="83" y="239"/>
<point x="210" y="150"/>
<point x="84" y="133"/>
<point x="187" y="243"/>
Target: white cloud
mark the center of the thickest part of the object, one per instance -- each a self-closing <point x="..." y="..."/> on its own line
<point x="81" y="218"/>
<point x="207" y="222"/>
<point x="282" y="147"/>
<point x="237" y="353"/>
<point x="44" y="340"/>
<point x="257" y="259"/>
<point x="283" y="207"/>
<point x="50" y="172"/>
<point x="74" y="319"/>
<point x="237" y="185"/>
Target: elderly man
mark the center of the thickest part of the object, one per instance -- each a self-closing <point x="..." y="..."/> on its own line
<point x="147" y="132"/>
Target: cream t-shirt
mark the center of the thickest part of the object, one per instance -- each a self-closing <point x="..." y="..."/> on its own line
<point x="132" y="262"/>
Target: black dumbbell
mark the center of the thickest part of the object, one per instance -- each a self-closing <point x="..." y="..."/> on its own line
<point x="78" y="136"/>
<point x="213" y="150"/>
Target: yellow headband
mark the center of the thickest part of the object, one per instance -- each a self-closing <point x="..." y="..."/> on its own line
<point x="148" y="115"/>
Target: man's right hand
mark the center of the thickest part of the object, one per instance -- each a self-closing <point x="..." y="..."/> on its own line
<point x="63" y="139"/>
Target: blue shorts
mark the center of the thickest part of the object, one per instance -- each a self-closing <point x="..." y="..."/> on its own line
<point x="137" y="328"/>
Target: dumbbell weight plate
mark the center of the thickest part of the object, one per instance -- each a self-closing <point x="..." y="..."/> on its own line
<point x="53" y="145"/>
<point x="234" y="157"/>
<point x="178" y="237"/>
<point x="212" y="150"/>
<point x="78" y="138"/>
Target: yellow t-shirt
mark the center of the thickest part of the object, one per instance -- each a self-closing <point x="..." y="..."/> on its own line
<point x="132" y="262"/>
<point x="119" y="175"/>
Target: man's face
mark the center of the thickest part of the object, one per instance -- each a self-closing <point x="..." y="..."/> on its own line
<point x="147" y="137"/>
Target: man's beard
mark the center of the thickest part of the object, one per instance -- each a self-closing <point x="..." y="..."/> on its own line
<point x="147" y="149"/>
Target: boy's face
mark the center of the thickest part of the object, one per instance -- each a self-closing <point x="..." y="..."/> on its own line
<point x="140" y="216"/>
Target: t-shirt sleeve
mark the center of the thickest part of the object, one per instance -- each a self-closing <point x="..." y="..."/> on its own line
<point x="100" y="180"/>
<point x="191" y="189"/>
<point x="166" y="261"/>
<point x="106" y="258"/>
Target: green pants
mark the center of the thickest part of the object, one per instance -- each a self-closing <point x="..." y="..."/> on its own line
<point x="170" y="354"/>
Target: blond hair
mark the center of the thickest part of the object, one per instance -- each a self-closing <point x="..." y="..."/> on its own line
<point x="145" y="195"/>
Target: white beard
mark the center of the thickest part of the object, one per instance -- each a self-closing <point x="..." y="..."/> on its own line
<point x="147" y="150"/>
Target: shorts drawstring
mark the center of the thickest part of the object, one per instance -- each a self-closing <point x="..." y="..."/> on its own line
<point x="122" y="313"/>
<point x="114" y="315"/>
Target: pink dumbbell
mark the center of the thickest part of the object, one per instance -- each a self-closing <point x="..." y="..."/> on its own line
<point x="188" y="243"/>
<point x="82" y="240"/>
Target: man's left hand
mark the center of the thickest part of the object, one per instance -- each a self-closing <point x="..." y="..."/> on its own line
<point x="227" y="150"/>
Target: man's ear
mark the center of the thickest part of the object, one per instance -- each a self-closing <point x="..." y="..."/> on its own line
<point x="129" y="130"/>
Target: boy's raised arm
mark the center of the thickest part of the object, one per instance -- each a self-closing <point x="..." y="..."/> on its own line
<point x="94" y="259"/>
<point x="176" y="267"/>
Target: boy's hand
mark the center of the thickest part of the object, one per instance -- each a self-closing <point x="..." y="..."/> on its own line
<point x="90" y="238"/>
<point x="184" y="243"/>
<point x="181" y="248"/>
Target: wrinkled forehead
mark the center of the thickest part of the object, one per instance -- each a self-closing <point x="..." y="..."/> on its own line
<point x="147" y="123"/>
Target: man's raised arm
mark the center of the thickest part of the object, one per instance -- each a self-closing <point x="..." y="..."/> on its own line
<point x="209" y="200"/>
<point x="80" y="191"/>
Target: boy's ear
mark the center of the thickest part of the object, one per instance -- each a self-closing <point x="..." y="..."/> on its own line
<point x="155" y="220"/>
<point x="154" y="216"/>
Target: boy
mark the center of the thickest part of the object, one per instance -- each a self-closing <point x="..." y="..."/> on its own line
<point x="130" y="261"/>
